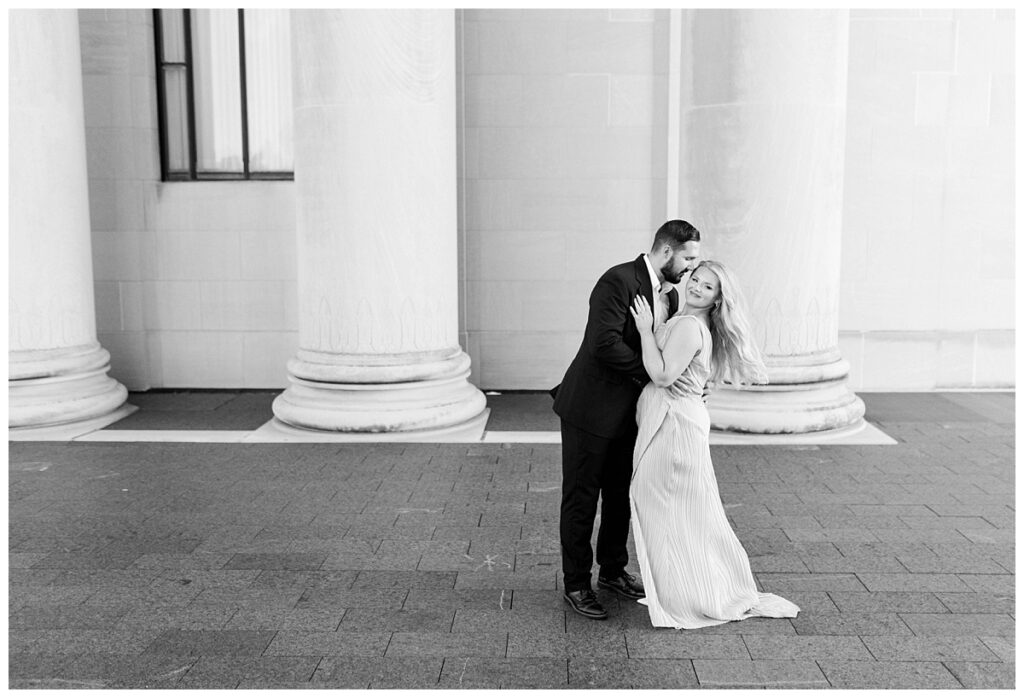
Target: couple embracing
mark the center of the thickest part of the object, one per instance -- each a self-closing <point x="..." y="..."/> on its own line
<point x="635" y="431"/>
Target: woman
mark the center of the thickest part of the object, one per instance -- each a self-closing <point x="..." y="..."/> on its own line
<point x="694" y="569"/>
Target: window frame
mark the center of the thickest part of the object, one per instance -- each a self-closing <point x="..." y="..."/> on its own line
<point x="193" y="175"/>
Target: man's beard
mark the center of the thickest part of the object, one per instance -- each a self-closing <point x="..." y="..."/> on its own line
<point x="671" y="275"/>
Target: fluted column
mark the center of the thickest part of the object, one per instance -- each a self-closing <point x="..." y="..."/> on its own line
<point x="377" y="229"/>
<point x="763" y="142"/>
<point x="57" y="369"/>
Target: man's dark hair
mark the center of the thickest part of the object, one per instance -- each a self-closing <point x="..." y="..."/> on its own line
<point x="675" y="234"/>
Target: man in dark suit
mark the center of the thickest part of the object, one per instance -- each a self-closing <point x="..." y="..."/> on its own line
<point x="596" y="402"/>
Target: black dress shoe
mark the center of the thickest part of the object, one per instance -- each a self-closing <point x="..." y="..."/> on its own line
<point x="625" y="585"/>
<point x="585" y="603"/>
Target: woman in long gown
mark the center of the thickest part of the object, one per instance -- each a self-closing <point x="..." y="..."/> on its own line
<point x="695" y="571"/>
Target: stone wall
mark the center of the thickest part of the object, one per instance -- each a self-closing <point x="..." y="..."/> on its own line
<point x="927" y="296"/>
<point x="195" y="281"/>
<point x="563" y="175"/>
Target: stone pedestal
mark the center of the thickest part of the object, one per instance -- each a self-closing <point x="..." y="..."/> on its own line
<point x="57" y="369"/>
<point x="763" y="139"/>
<point x="376" y="204"/>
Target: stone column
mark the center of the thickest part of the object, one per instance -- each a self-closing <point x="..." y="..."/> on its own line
<point x="57" y="369"/>
<point x="763" y="128"/>
<point x="377" y="227"/>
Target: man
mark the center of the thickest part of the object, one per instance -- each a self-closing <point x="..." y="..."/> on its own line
<point x="596" y="403"/>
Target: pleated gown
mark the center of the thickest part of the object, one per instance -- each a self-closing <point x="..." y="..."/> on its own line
<point x="694" y="568"/>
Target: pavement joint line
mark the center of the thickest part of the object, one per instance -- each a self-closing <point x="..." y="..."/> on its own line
<point x="764" y="683"/>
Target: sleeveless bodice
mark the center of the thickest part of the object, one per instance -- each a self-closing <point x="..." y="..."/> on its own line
<point x="693" y="378"/>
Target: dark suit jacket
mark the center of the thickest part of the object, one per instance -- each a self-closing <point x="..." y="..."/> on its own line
<point x="602" y="384"/>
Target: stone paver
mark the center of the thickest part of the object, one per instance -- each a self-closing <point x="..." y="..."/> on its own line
<point x="78" y="617"/>
<point x="888" y="601"/>
<point x="279" y="561"/>
<point x="860" y="624"/>
<point x="211" y="671"/>
<point x="599" y="642"/>
<point x="458" y="599"/>
<point x="632" y="673"/>
<point x="194" y="643"/>
<point x="209" y="617"/>
<point x="991" y="583"/>
<point x="927" y="624"/>
<point x="642" y="644"/>
<point x="97" y="670"/>
<point x="924" y="649"/>
<point x="1003" y="647"/>
<point x="983" y="674"/>
<point x="314" y="620"/>
<point x="448" y="644"/>
<point x="781" y="583"/>
<point x="492" y="673"/>
<point x="371" y="619"/>
<point x="913" y="582"/>
<point x="900" y="675"/>
<point x="772" y="674"/>
<point x="807" y="647"/>
<point x="477" y="620"/>
<point x="64" y="641"/>
<point x="423" y="566"/>
<point x="402" y="672"/>
<point x="320" y="597"/>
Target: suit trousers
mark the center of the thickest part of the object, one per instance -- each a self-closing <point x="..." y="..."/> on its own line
<point x="592" y="466"/>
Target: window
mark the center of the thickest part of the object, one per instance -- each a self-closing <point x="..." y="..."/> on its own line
<point x="225" y="94"/>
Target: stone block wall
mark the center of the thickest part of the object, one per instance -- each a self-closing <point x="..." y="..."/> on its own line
<point x="562" y="175"/>
<point x="195" y="281"/>
<point x="927" y="282"/>
<point x="123" y="159"/>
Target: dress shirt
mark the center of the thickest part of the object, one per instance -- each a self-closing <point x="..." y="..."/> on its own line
<point x="660" y="299"/>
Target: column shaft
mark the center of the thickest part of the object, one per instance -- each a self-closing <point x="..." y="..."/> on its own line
<point x="57" y="369"/>
<point x="377" y="222"/>
<point x="763" y="142"/>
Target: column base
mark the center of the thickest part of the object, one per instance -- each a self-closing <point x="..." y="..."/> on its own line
<point x="786" y="409"/>
<point x="276" y="431"/>
<point x="72" y="431"/>
<point x="56" y="387"/>
<point x="382" y="407"/>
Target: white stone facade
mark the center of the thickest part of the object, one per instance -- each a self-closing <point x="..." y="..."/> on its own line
<point x="563" y="130"/>
<point x="927" y="280"/>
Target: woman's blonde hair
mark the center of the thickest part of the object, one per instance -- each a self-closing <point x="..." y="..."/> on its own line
<point x="734" y="355"/>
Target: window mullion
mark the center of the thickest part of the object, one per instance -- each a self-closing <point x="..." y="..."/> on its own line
<point x="184" y="97"/>
<point x="245" y="98"/>
<point x="189" y="81"/>
<point x="161" y="94"/>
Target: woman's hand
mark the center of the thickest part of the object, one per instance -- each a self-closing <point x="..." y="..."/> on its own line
<point x="642" y="315"/>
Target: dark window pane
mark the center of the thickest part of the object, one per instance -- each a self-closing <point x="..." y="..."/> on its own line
<point x="176" y="96"/>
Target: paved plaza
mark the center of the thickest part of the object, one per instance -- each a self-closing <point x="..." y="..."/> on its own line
<point x="223" y="565"/>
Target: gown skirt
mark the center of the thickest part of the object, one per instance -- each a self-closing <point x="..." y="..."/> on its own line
<point x="694" y="568"/>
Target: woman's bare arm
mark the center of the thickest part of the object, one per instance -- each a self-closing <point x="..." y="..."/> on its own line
<point x="680" y="347"/>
